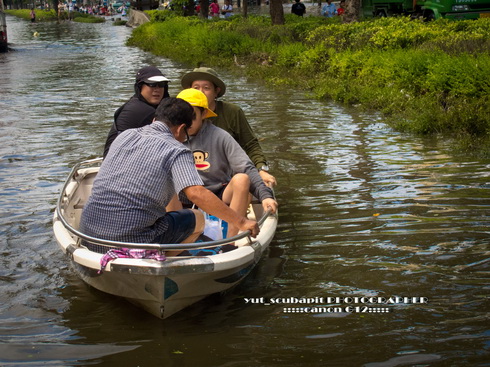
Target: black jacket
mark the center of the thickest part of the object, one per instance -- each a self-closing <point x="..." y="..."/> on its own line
<point x="298" y="9"/>
<point x="137" y="112"/>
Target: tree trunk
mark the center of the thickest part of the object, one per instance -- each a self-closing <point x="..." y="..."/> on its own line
<point x="189" y="8"/>
<point x="277" y="12"/>
<point x="352" y="11"/>
<point x="204" y="12"/>
<point x="245" y="8"/>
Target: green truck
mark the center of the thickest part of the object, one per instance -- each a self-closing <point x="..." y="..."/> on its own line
<point x="428" y="9"/>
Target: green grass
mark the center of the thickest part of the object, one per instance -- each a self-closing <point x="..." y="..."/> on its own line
<point x="426" y="77"/>
<point x="41" y="15"/>
<point x="86" y="18"/>
<point x="50" y="15"/>
<point x="119" y="22"/>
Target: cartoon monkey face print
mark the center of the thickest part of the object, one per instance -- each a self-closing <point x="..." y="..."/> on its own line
<point x="200" y="160"/>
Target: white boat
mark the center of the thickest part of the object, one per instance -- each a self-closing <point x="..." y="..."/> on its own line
<point x="160" y="287"/>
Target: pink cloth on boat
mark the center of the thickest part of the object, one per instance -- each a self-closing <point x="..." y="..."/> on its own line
<point x="126" y="253"/>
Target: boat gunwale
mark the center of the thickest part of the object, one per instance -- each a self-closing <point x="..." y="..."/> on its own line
<point x="146" y="246"/>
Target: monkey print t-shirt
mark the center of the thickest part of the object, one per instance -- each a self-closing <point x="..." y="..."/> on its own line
<point x="218" y="157"/>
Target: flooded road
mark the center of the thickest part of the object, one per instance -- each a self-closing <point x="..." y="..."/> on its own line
<point x="365" y="212"/>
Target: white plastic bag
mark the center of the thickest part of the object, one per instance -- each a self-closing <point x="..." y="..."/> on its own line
<point x="212" y="227"/>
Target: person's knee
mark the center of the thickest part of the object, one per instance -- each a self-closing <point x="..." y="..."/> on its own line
<point x="241" y="181"/>
<point x="199" y="220"/>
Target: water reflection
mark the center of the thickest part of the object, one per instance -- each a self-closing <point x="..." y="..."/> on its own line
<point x="365" y="211"/>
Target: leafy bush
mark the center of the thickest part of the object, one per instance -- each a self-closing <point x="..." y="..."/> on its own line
<point x="160" y="15"/>
<point x="426" y="77"/>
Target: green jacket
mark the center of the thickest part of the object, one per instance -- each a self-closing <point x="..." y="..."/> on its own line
<point x="232" y="119"/>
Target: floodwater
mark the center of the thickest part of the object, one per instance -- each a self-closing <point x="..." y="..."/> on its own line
<point x="365" y="212"/>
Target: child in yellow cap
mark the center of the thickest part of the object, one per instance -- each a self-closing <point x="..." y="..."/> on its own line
<point x="223" y="165"/>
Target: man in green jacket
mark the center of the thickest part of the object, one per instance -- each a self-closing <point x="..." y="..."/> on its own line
<point x="231" y="118"/>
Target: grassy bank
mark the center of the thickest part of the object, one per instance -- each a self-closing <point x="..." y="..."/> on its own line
<point x="50" y="15"/>
<point x="427" y="78"/>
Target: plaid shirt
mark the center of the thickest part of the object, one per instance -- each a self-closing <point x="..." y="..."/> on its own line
<point x="144" y="168"/>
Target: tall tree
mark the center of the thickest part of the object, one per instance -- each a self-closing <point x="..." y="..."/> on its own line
<point x="55" y="4"/>
<point x="245" y="8"/>
<point x="352" y="11"/>
<point x="277" y="12"/>
<point x="204" y="12"/>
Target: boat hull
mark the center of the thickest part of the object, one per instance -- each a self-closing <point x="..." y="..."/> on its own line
<point x="161" y="295"/>
<point x="160" y="287"/>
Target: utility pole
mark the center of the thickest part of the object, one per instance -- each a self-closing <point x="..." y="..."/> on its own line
<point x="3" y="29"/>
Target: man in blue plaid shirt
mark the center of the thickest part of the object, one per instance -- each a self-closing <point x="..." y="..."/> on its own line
<point x="144" y="170"/>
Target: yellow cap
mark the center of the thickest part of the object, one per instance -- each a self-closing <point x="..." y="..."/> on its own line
<point x="196" y="98"/>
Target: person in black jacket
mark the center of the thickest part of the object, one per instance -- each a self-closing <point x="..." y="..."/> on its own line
<point x="298" y="8"/>
<point x="150" y="88"/>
